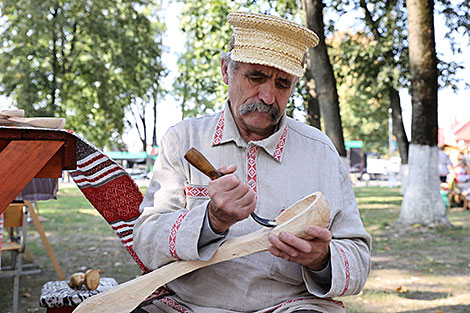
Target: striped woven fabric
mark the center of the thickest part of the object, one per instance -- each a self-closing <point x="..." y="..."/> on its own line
<point x="115" y="195"/>
<point x="111" y="190"/>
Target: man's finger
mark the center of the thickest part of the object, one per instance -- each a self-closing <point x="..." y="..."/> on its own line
<point x="295" y="242"/>
<point x="282" y="246"/>
<point x="319" y="233"/>
<point x="228" y="169"/>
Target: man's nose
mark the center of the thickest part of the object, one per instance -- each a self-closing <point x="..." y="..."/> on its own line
<point x="266" y="92"/>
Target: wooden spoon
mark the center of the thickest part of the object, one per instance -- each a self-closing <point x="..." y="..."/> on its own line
<point x="311" y="210"/>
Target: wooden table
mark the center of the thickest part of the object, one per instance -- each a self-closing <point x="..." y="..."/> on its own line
<point x="26" y="153"/>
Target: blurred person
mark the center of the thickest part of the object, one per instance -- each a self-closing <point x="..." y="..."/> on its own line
<point x="462" y="175"/>
<point x="444" y="164"/>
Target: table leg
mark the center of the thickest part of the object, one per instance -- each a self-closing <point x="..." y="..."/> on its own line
<point x="45" y="241"/>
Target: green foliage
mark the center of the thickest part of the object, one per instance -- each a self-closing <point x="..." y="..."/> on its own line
<point x="199" y="87"/>
<point x="362" y="89"/>
<point x="456" y="16"/>
<point x="457" y="20"/>
<point x="85" y="60"/>
<point x="367" y="64"/>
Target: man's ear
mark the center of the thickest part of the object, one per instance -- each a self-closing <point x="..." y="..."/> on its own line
<point x="224" y="70"/>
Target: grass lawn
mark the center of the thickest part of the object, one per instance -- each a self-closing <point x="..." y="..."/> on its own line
<point x="414" y="269"/>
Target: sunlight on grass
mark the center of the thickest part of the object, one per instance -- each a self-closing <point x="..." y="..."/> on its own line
<point x="389" y="290"/>
<point x="422" y="270"/>
<point x="93" y="212"/>
<point x="384" y="206"/>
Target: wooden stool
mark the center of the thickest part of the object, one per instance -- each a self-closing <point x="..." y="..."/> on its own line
<point x="58" y="297"/>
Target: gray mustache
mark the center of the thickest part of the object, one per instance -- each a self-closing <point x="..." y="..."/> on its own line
<point x="261" y="106"/>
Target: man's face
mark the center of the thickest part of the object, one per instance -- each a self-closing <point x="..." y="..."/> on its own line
<point x="258" y="97"/>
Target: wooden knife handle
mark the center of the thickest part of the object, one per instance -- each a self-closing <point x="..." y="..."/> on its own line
<point x="199" y="161"/>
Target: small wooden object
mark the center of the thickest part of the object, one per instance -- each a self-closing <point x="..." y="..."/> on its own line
<point x="76" y="280"/>
<point x="311" y="210"/>
<point x="90" y="279"/>
<point x="200" y="162"/>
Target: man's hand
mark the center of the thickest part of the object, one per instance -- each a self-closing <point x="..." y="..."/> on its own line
<point x="232" y="200"/>
<point x="313" y="253"/>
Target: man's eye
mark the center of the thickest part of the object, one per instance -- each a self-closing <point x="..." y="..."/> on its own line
<point x="255" y="78"/>
<point x="283" y="85"/>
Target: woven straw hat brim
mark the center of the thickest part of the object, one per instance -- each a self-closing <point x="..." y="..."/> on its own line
<point x="269" y="40"/>
<point x="279" y="60"/>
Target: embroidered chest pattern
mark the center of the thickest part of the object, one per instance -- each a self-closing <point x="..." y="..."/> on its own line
<point x="198" y="192"/>
<point x="252" y="179"/>
<point x="280" y="145"/>
<point x="219" y="130"/>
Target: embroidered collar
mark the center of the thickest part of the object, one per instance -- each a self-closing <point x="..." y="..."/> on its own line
<point x="226" y="130"/>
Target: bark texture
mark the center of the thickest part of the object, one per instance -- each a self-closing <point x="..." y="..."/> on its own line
<point x="423" y="69"/>
<point x="312" y="107"/>
<point x="398" y="127"/>
<point x="324" y="81"/>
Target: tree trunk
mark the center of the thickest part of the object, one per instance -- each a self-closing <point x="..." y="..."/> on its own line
<point x="400" y="134"/>
<point x="398" y="128"/>
<point x="143" y="135"/>
<point x="54" y="64"/>
<point x="422" y="202"/>
<point x="320" y="67"/>
<point x="312" y="107"/>
<point x="154" y="135"/>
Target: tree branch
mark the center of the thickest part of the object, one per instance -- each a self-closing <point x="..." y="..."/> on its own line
<point x="370" y="20"/>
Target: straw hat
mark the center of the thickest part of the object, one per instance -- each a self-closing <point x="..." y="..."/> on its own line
<point x="270" y="40"/>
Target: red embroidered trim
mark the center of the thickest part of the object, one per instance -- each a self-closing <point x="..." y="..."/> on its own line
<point x="302" y="299"/>
<point x="174" y="232"/>
<point x="280" y="145"/>
<point x="162" y="291"/>
<point x="251" y="170"/>
<point x="346" y="265"/>
<point x="219" y="130"/>
<point x="199" y="192"/>
<point x="174" y="305"/>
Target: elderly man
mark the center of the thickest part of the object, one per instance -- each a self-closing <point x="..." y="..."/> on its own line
<point x="270" y="161"/>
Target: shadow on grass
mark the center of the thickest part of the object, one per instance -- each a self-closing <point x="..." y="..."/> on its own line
<point x="425" y="295"/>
<point x="443" y="308"/>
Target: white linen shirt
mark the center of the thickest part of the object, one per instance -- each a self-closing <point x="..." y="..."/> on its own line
<point x="295" y="161"/>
